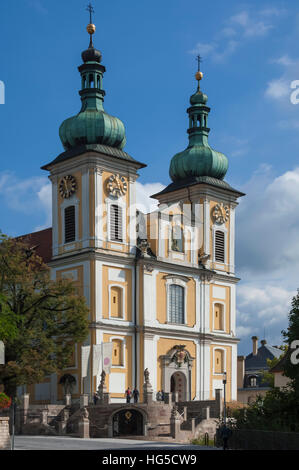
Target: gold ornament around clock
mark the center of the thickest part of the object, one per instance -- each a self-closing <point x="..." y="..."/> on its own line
<point x="67" y="186"/>
<point x="117" y="185"/>
<point x="221" y="213"/>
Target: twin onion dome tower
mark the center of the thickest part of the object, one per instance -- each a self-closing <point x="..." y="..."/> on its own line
<point x="93" y="126"/>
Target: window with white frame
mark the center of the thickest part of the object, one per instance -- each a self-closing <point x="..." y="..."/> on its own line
<point x="176" y="304"/>
<point x="218" y="316"/>
<point x="117" y="352"/>
<point x="219" y="246"/>
<point x="116" y="301"/>
<point x="219" y="361"/>
<point x="116" y="224"/>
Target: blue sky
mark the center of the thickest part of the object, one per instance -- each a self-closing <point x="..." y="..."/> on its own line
<point x="250" y="53"/>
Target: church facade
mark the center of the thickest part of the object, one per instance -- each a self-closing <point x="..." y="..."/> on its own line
<point x="161" y="287"/>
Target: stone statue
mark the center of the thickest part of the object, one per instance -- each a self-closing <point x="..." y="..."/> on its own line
<point x="146" y="376"/>
<point x="84" y="413"/>
<point x="103" y="378"/>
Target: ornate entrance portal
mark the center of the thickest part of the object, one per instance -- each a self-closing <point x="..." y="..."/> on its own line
<point x="178" y="384"/>
<point x="128" y="423"/>
<point x="176" y="372"/>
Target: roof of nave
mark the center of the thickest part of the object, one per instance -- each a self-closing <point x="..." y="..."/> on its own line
<point x="41" y="242"/>
<point x="259" y="361"/>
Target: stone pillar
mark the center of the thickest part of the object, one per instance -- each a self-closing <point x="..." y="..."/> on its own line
<point x="63" y="423"/>
<point x="175" y="423"/>
<point x="83" y="401"/>
<point x="4" y="434"/>
<point x="104" y="397"/>
<point x="68" y="399"/>
<point x="219" y="402"/>
<point x="21" y="413"/>
<point x="84" y="424"/>
<point x="44" y="417"/>
<point x="147" y="389"/>
<point x="175" y="397"/>
<point x="206" y="413"/>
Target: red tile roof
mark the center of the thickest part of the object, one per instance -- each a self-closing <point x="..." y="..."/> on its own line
<point x="42" y="240"/>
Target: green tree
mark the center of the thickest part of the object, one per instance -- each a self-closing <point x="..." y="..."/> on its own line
<point x="291" y="369"/>
<point x="8" y="324"/>
<point x="44" y="318"/>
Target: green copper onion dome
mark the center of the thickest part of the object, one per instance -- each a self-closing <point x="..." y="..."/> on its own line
<point x="198" y="159"/>
<point x="92" y="125"/>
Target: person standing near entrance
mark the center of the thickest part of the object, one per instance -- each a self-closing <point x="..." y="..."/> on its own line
<point x="128" y="394"/>
<point x="135" y="395"/>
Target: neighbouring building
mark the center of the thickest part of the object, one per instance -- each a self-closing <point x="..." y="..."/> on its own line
<point x="161" y="287"/>
<point x="280" y="380"/>
<point x="250" y="369"/>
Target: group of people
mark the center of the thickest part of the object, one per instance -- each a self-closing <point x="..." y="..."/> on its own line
<point x="132" y="394"/>
<point x="129" y="394"/>
<point x="160" y="395"/>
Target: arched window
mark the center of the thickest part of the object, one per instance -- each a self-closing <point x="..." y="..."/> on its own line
<point x="116" y="223"/>
<point x="177" y="238"/>
<point x="219" y="246"/>
<point x="219" y="361"/>
<point x="91" y="81"/>
<point x="117" y="352"/>
<point x="218" y="317"/>
<point x="176" y="304"/>
<point x="116" y="302"/>
<point x="69" y="224"/>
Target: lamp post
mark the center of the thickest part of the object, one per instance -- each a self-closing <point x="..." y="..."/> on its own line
<point x="224" y="397"/>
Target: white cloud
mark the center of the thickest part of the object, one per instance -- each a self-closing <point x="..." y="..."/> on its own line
<point x="267" y="255"/>
<point x="27" y="196"/>
<point x="278" y="88"/>
<point x="244" y="25"/>
<point x="143" y="193"/>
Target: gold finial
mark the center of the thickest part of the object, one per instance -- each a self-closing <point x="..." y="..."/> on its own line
<point x="91" y="29"/>
<point x="198" y="74"/>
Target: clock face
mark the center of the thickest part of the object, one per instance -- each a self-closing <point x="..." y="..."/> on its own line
<point x="67" y="186"/>
<point x="221" y="213"/>
<point x="117" y="185"/>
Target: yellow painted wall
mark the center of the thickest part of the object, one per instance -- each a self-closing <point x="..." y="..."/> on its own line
<point x="227" y="368"/>
<point x="226" y="302"/>
<point x="127" y="285"/>
<point x="127" y="370"/>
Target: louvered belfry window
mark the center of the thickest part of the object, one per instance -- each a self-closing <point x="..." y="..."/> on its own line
<point x="69" y="224"/>
<point x="116" y="223"/>
<point x="176" y="304"/>
<point x="219" y="246"/>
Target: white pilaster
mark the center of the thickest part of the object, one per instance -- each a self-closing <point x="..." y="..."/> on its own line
<point x="54" y="181"/>
<point x="232" y="240"/>
<point x="85" y="208"/>
<point x="150" y="357"/>
<point x="98" y="189"/>
<point x="234" y="373"/>
<point x="132" y="215"/>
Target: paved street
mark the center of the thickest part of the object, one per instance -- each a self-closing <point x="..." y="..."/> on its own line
<point x="71" y="443"/>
